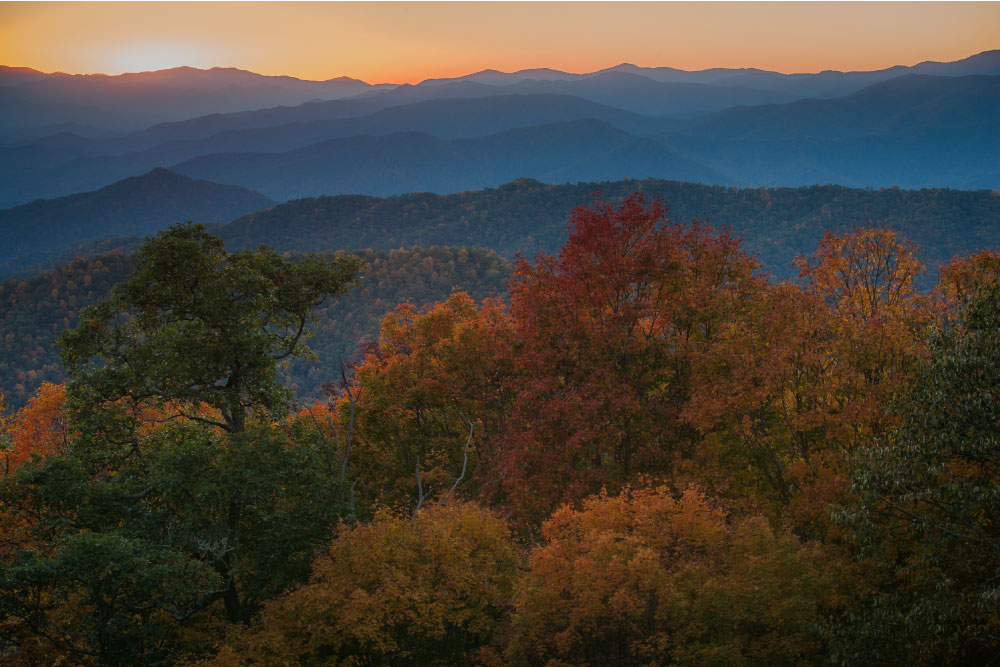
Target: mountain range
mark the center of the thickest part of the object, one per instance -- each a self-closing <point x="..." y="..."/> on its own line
<point x="353" y="160"/>
<point x="927" y="125"/>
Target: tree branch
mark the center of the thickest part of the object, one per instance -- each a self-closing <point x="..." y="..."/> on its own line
<point x="465" y="462"/>
<point x="420" y="493"/>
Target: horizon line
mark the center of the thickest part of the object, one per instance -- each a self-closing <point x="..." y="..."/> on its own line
<point x="489" y="69"/>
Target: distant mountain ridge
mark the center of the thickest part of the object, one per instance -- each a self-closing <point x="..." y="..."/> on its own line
<point x="582" y="149"/>
<point x="929" y="125"/>
<point x="140" y="205"/>
<point x="528" y="216"/>
<point x="137" y="100"/>
<point x="828" y="83"/>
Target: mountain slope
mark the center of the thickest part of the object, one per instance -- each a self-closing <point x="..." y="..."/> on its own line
<point x="35" y="311"/>
<point x="891" y="107"/>
<point x="913" y="131"/>
<point x="528" y="216"/>
<point x="410" y="162"/>
<point x="138" y="205"/>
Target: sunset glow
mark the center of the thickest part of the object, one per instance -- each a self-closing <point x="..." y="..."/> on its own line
<point x="408" y="42"/>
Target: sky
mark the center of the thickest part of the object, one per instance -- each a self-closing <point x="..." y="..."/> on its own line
<point x="394" y="42"/>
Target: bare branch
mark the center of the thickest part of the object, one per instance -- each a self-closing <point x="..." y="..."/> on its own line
<point x="420" y="493"/>
<point x="465" y="462"/>
<point x="140" y="495"/>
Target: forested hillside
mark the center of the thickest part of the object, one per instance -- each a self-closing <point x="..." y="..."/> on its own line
<point x="776" y="224"/>
<point x="34" y="312"/>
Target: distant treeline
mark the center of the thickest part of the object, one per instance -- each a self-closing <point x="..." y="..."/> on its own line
<point x="527" y="216"/>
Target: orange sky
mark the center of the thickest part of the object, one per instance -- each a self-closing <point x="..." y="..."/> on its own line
<point x="408" y="42"/>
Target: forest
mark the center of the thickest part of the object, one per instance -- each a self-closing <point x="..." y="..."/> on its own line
<point x="36" y="311"/>
<point x="647" y="450"/>
<point x="417" y="241"/>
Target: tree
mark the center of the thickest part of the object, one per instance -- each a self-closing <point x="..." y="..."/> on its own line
<point x="926" y="508"/>
<point x="867" y="273"/>
<point x="432" y="377"/>
<point x="432" y="591"/>
<point x="869" y="277"/>
<point x="651" y="577"/>
<point x="774" y="404"/>
<point x="963" y="278"/>
<point x="607" y="333"/>
<point x="176" y="459"/>
<point x="40" y="427"/>
<point x="193" y="324"/>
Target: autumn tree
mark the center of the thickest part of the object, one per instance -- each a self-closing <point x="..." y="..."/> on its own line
<point x="772" y="403"/>
<point x="965" y="277"/>
<point x="785" y="392"/>
<point x="435" y="380"/>
<point x="432" y="590"/>
<point x="649" y="577"/>
<point x="39" y="428"/>
<point x="868" y="276"/>
<point x="607" y="331"/>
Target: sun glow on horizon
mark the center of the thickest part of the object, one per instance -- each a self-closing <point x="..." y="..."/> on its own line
<point x="392" y="42"/>
<point x="139" y="57"/>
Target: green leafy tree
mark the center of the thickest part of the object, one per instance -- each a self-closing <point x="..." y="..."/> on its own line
<point x="181" y="500"/>
<point x="195" y="324"/>
<point x="928" y="499"/>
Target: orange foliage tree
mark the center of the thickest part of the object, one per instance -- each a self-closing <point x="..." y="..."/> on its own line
<point x="964" y="278"/>
<point x="868" y="278"/>
<point x="431" y="591"/>
<point x="773" y="406"/>
<point x="649" y="577"/>
<point x="40" y="427"/>
<point x="433" y="378"/>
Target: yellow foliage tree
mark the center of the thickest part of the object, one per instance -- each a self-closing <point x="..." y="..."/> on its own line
<point x="428" y="591"/>
<point x="652" y="578"/>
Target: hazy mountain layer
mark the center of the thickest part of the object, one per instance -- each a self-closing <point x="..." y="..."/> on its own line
<point x="32" y="100"/>
<point x="62" y="164"/>
<point x="413" y="162"/>
<point x="139" y="205"/>
<point x="744" y="127"/>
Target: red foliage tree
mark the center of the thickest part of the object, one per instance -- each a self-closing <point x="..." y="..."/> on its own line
<point x="608" y="330"/>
